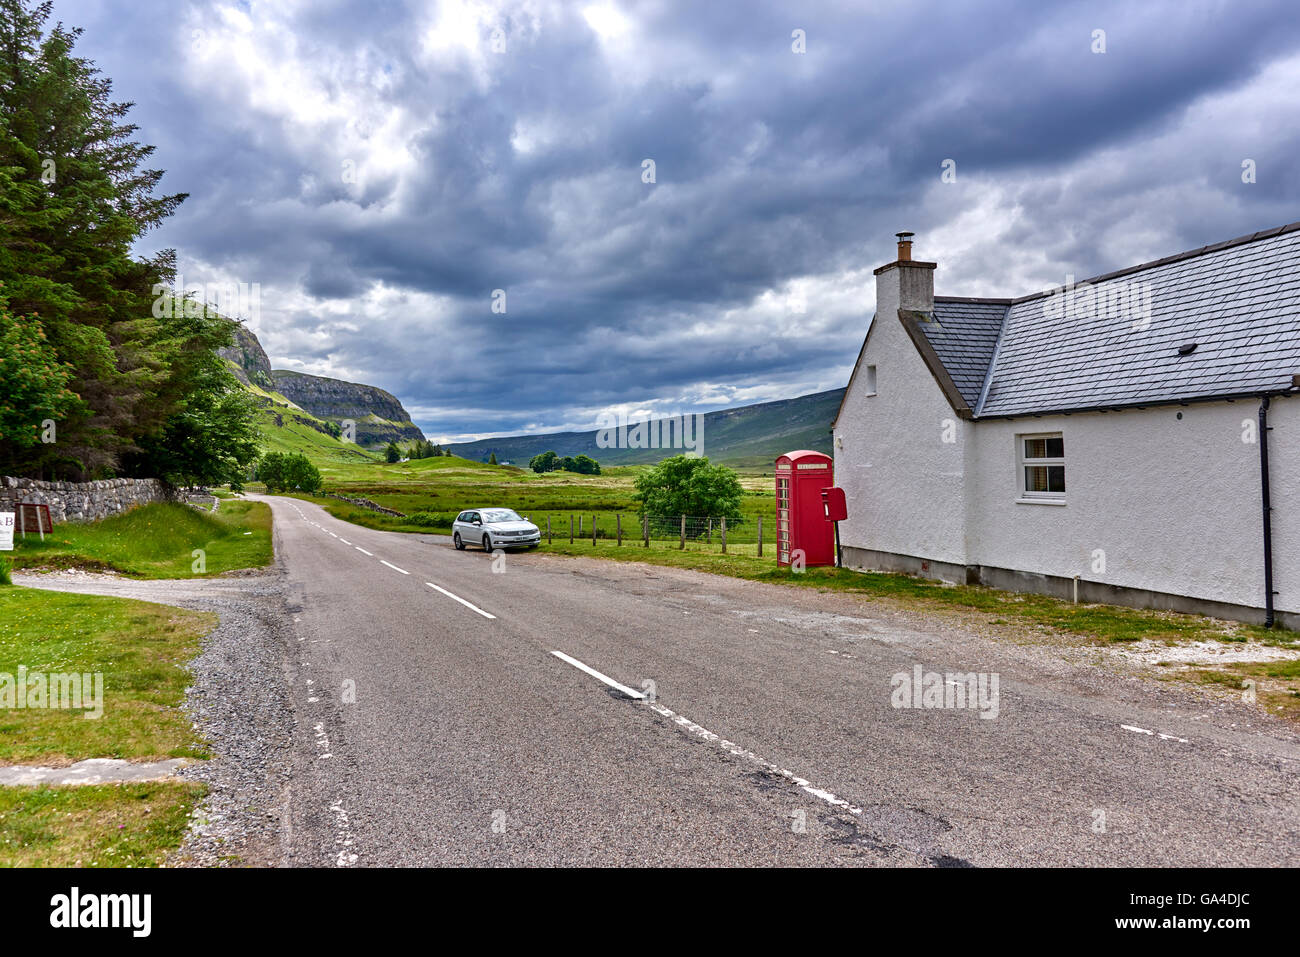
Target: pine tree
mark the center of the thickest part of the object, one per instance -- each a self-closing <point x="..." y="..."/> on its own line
<point x="73" y="199"/>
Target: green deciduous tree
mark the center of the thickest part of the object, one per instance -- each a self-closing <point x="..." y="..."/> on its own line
<point x="689" y="485"/>
<point x="301" y="475"/>
<point x="543" y="462"/>
<point x="583" y="465"/>
<point x="290" y="472"/>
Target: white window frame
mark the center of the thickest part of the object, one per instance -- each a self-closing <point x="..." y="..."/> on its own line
<point x="1023" y="462"/>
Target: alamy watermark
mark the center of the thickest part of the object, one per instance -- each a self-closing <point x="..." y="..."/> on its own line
<point x="233" y="300"/>
<point x="1128" y="302"/>
<point x="57" y="691"/>
<point x="616" y="430"/>
<point x="933" y="689"/>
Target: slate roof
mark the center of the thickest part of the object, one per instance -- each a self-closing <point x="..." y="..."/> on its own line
<point x="964" y="334"/>
<point x="1114" y="342"/>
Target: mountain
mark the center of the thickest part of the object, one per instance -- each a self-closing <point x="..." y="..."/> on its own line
<point x="748" y="436"/>
<point x="304" y="413"/>
<point x="378" y="415"/>
<point x="251" y="366"/>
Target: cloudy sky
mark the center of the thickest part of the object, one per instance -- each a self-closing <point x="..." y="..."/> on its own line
<point x="381" y="167"/>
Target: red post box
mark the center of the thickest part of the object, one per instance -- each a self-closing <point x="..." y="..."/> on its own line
<point x="801" y="522"/>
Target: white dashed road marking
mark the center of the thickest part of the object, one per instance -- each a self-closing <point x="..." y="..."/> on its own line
<point x="723" y="743"/>
<point x="469" y="605"/>
<point x="1162" y="737"/>
<point x="394" y="567"/>
<point x="363" y="551"/>
<point x="599" y="677"/>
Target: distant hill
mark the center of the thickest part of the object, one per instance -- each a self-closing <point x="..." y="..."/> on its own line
<point x="748" y="436"/>
<point x="309" y="402"/>
<point x="379" y="416"/>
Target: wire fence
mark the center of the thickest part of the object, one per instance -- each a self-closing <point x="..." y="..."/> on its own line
<point x="748" y="536"/>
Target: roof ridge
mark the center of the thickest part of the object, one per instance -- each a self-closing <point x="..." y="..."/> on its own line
<point x="1176" y="257"/>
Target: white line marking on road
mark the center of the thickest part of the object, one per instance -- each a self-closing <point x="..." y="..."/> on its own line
<point x="599" y="677"/>
<point x="394" y="567"/>
<point x="345" y="541"/>
<point x="750" y="756"/>
<point x="723" y="743"/>
<point x="343" y="835"/>
<point x="1160" y="735"/>
<point x="363" y="551"/>
<point x="469" y="605"/>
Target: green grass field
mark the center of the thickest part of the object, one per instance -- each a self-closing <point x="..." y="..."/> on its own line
<point x="157" y="541"/>
<point x="98" y="825"/>
<point x="444" y="486"/>
<point x="139" y="647"/>
<point x="141" y="650"/>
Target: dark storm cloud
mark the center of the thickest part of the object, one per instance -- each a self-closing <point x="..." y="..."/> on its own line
<point x="475" y="171"/>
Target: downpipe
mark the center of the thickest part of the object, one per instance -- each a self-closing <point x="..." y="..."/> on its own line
<point x="1266" y="502"/>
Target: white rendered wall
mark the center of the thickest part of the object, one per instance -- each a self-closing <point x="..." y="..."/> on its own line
<point x="1173" y="503"/>
<point x="903" y="483"/>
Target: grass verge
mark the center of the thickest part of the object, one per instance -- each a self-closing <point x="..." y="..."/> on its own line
<point x="140" y="649"/>
<point x="157" y="541"/>
<point x="95" y="825"/>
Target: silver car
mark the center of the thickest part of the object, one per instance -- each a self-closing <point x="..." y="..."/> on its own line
<point x="494" y="528"/>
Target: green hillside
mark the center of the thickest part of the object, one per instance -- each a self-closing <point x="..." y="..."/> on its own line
<point x="749" y="436"/>
<point x="288" y="428"/>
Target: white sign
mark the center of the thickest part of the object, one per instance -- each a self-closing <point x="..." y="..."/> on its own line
<point x="6" y="531"/>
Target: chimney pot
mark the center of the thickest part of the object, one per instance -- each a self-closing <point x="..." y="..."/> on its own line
<point x="904" y="247"/>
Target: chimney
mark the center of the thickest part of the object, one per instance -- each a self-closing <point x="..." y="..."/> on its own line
<point x="905" y="284"/>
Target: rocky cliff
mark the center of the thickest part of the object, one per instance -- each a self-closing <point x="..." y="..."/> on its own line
<point x="378" y="415"/>
<point x="248" y="358"/>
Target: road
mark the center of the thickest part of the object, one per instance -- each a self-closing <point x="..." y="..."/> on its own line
<point x="435" y="723"/>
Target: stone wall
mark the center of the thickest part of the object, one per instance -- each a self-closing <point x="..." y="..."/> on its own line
<point x="82" y="501"/>
<point x="366" y="503"/>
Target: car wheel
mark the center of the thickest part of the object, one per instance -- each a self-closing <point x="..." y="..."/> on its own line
<point x="455" y="540"/>
<point x="487" y="543"/>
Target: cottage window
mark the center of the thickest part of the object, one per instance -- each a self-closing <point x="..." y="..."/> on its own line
<point x="1042" y="466"/>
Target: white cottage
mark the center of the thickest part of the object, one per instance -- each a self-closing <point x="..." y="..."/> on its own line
<point x="1132" y="439"/>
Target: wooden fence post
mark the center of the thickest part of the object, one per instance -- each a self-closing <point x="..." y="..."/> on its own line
<point x="708" y="539"/>
<point x="593" y="530"/>
<point x="580" y="526"/>
<point x="645" y="529"/>
<point x="683" y="541"/>
<point x="724" y="534"/>
<point x="760" y="536"/>
<point x="618" y="525"/>
<point x="570" y="529"/>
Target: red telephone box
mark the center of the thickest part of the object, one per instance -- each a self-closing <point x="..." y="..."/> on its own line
<point x="801" y="522"/>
